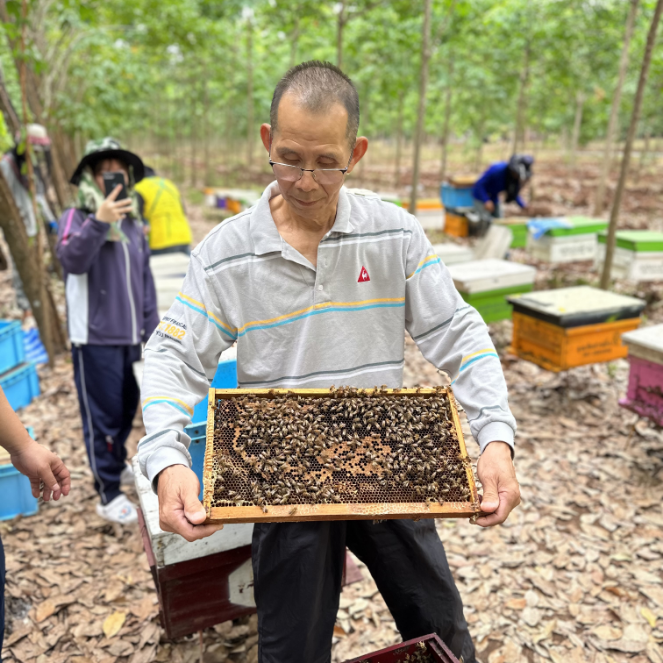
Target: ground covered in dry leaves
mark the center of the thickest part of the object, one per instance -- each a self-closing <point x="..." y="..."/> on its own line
<point x="574" y="575"/>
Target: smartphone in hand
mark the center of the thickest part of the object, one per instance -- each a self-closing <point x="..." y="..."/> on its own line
<point x="111" y="180"/>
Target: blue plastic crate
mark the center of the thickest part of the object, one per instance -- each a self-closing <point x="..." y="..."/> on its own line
<point x="33" y="347"/>
<point x="11" y="345"/>
<point x="15" y="495"/>
<point x="225" y="378"/>
<point x="455" y="196"/>
<point x="20" y="385"/>
<point x="198" y="435"/>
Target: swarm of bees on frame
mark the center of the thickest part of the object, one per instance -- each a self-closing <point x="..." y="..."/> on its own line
<point x="357" y="446"/>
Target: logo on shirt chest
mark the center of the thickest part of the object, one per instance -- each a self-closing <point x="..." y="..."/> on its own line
<point x="363" y="276"/>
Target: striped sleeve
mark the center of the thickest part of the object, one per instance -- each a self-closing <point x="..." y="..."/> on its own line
<point x="453" y="337"/>
<point x="181" y="359"/>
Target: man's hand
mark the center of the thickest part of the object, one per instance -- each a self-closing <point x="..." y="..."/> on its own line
<point x="180" y="510"/>
<point x="42" y="467"/>
<point x="501" y="492"/>
<point x="490" y="206"/>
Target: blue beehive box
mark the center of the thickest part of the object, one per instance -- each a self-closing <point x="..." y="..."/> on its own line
<point x="11" y="345"/>
<point x="20" y="384"/>
<point x="454" y="196"/>
<point x="15" y="494"/>
<point x="225" y="378"/>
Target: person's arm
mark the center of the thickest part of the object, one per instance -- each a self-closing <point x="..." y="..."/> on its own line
<point x="150" y="309"/>
<point x="521" y="203"/>
<point x="181" y="359"/>
<point x="39" y="464"/>
<point x="81" y="237"/>
<point x="453" y="337"/>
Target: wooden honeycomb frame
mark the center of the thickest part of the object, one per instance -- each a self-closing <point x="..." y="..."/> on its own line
<point x="343" y="511"/>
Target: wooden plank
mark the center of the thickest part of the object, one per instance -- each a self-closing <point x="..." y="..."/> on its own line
<point x="342" y="511"/>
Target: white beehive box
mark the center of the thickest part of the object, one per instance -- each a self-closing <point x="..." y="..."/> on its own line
<point x="489" y="275"/>
<point x="638" y="255"/>
<point x="563" y="249"/>
<point x="169" y="548"/>
<point x="646" y="343"/>
<point x="453" y="254"/>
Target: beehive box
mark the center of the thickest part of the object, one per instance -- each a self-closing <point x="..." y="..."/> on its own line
<point x="325" y="454"/>
<point x="453" y="254"/>
<point x="457" y="195"/>
<point x="645" y="384"/>
<point x="638" y="255"/>
<point x="569" y="244"/>
<point x="567" y="327"/>
<point x="429" y="649"/>
<point x="456" y="223"/>
<point x="486" y="284"/>
<point x="518" y="226"/>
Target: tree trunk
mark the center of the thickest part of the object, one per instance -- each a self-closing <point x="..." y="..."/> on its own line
<point x="7" y="108"/>
<point x="29" y="270"/>
<point x="614" y="110"/>
<point x="193" y="137"/>
<point x="577" y="124"/>
<point x="447" y="121"/>
<point x="340" y="24"/>
<point x="635" y="116"/>
<point x="206" y="135"/>
<point x="519" y="133"/>
<point x="294" y="39"/>
<point x="399" y="143"/>
<point x="421" y="114"/>
<point x="249" y="93"/>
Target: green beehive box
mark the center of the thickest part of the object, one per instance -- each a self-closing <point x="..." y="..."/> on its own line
<point x="636" y="240"/>
<point x="493" y="306"/>
<point x="518" y="226"/>
<point x="581" y="225"/>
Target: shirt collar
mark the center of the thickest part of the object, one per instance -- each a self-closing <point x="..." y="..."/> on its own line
<point x="266" y="238"/>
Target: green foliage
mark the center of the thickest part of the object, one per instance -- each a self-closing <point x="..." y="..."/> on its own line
<point x="139" y="67"/>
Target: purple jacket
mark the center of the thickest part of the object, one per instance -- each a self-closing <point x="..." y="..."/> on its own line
<point x="110" y="292"/>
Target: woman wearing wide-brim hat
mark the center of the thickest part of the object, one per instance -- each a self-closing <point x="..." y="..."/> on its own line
<point x="111" y="309"/>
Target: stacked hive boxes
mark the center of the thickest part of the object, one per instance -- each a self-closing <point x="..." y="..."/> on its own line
<point x="560" y="329"/>
<point x="638" y="255"/>
<point x="457" y="199"/>
<point x="574" y="239"/>
<point x="18" y="378"/>
<point x="485" y="284"/>
<point x="645" y="384"/>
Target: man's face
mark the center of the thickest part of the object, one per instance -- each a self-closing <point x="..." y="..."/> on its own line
<point x="310" y="140"/>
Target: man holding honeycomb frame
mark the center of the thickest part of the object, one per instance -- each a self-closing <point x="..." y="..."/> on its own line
<point x="317" y="285"/>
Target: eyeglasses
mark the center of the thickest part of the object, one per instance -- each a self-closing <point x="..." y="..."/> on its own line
<point x="323" y="176"/>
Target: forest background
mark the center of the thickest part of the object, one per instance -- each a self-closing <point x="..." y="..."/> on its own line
<point x="189" y="81"/>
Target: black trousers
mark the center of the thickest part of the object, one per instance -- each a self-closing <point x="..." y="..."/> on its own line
<point x="297" y="571"/>
<point x="108" y="397"/>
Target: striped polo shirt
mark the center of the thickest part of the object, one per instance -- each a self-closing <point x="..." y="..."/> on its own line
<point x="297" y="325"/>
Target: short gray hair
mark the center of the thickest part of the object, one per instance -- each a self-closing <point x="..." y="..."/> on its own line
<point x="318" y="85"/>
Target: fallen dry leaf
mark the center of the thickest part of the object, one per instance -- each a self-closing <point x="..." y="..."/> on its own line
<point x="113" y="623"/>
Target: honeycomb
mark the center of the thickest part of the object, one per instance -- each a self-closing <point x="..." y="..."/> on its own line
<point x="357" y="446"/>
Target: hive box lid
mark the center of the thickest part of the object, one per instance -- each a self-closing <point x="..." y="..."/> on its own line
<point x="463" y="181"/>
<point x="580" y="225"/>
<point x="646" y="343"/>
<point x="452" y="254"/>
<point x="577" y="306"/>
<point x="491" y="274"/>
<point x="636" y="240"/>
<point x="512" y="221"/>
<point x="169" y="265"/>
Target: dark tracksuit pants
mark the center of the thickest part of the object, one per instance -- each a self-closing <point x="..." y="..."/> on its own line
<point x="297" y="570"/>
<point x="108" y="397"/>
